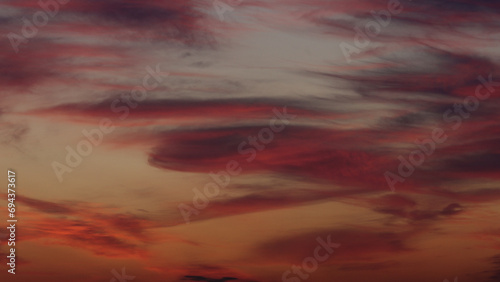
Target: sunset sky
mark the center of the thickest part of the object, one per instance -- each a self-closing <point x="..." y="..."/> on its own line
<point x="201" y="140"/>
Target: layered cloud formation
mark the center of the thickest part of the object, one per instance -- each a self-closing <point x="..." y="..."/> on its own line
<point x="352" y="119"/>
